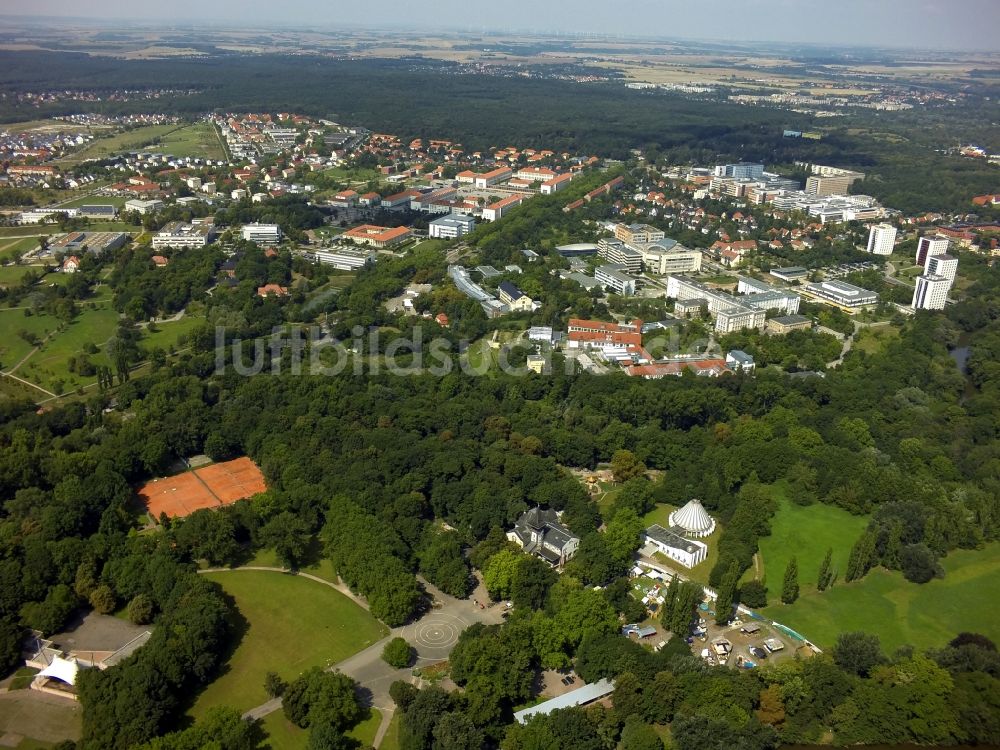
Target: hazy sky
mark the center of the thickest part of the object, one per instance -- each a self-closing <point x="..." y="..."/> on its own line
<point x="954" y="24"/>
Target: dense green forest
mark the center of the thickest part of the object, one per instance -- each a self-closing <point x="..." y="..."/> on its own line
<point x="482" y="112"/>
<point x="367" y="464"/>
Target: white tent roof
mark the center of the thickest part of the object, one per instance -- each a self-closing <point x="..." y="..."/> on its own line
<point x="693" y="518"/>
<point x="62" y="669"/>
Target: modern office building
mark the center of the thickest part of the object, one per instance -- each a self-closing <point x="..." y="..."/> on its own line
<point x="841" y="293"/>
<point x="620" y="253"/>
<point x="881" y="239"/>
<point x="638" y="233"/>
<point x="451" y="226"/>
<point x="262" y="234"/>
<point x="942" y="265"/>
<point x="931" y="292"/>
<point x="144" y="207"/>
<point x="743" y="171"/>
<point x="179" y="235"/>
<point x="344" y="258"/>
<point x="613" y="277"/>
<point x="667" y="256"/>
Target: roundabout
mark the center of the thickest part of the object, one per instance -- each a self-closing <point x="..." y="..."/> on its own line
<point x="435" y="634"/>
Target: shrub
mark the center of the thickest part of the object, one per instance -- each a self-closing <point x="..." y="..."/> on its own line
<point x="397" y="653"/>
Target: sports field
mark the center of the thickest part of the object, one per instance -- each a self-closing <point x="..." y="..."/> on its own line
<point x="806" y="532"/>
<point x="128" y="140"/>
<point x="287" y="624"/>
<point x="210" y="486"/>
<point x="900" y="612"/>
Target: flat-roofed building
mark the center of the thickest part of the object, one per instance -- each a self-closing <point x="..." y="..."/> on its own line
<point x="144" y="206"/>
<point x="621" y="253"/>
<point x="262" y="234"/>
<point x="92" y="242"/>
<point x="638" y="233"/>
<point x="451" y="226"/>
<point x="841" y="293"/>
<point x="687" y="552"/>
<point x="790" y="274"/>
<point x="179" y="235"/>
<point x="613" y="277"/>
<point x="931" y="292"/>
<point x="928" y="246"/>
<point x="344" y="258"/>
<point x="942" y="265"/>
<point x="99" y="211"/>
<point x="666" y="257"/>
<point x="881" y="239"/>
<point x="787" y="323"/>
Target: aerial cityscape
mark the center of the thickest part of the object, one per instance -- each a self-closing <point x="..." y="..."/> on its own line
<point x="456" y="377"/>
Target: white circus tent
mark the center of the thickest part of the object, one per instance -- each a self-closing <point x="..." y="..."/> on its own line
<point x="692" y="519"/>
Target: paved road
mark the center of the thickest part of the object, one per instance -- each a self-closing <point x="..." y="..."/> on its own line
<point x="433" y="636"/>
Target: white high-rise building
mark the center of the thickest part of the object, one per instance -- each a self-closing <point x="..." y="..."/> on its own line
<point x="931" y="292"/>
<point x="942" y="265"/>
<point x="881" y="239"/>
<point x="928" y="246"/>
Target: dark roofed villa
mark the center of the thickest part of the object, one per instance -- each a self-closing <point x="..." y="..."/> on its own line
<point x="540" y="533"/>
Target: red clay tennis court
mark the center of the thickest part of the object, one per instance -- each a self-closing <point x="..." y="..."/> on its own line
<point x="208" y="487"/>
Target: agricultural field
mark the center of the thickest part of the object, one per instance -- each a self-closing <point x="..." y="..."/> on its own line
<point x="806" y="532"/>
<point x="285" y="624"/>
<point x="197" y="141"/>
<point x="138" y="138"/>
<point x="903" y="613"/>
<point x="283" y="735"/>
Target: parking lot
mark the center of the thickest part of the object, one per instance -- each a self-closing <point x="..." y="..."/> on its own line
<point x="838" y="272"/>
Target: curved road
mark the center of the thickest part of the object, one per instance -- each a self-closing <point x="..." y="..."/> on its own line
<point x="433" y="636"/>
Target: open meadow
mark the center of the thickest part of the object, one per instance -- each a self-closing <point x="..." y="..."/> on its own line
<point x="806" y="532"/>
<point x="903" y="613"/>
<point x="286" y="624"/>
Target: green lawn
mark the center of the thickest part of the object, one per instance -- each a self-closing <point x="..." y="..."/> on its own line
<point x="283" y="735"/>
<point x="49" y="363"/>
<point x="197" y="141"/>
<point x="287" y="624"/>
<point x="873" y="340"/>
<point x="806" y="532"/>
<point x="391" y="739"/>
<point x="323" y="568"/>
<point x="14" y="274"/>
<point x="901" y="612"/>
<point x="14" y="248"/>
<point x="166" y="335"/>
<point x="660" y="514"/>
<point x="12" y="347"/>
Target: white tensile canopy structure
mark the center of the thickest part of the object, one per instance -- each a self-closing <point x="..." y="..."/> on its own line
<point x="692" y="519"/>
<point x="62" y="669"/>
